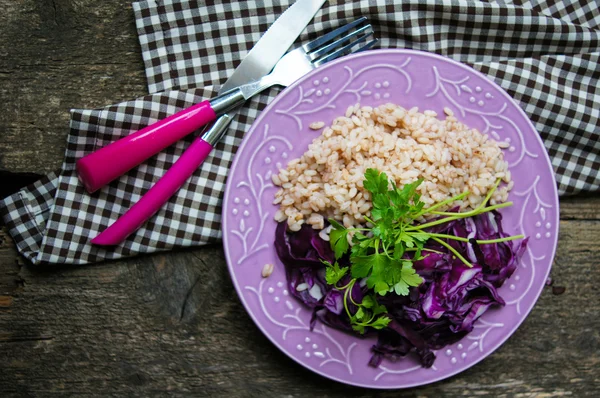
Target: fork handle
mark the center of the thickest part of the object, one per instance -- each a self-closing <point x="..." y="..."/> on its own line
<point x="108" y="163"/>
<point x="165" y="187"/>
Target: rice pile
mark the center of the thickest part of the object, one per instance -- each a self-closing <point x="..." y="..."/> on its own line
<point x="326" y="181"/>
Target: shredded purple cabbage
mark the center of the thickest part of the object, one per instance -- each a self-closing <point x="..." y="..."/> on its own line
<point x="440" y="311"/>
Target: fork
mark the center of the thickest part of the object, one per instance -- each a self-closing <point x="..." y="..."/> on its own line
<point x="290" y="68"/>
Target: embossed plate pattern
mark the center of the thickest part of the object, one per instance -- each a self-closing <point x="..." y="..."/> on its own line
<point x="281" y="133"/>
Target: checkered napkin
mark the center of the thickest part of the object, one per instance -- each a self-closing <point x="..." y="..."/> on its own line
<point x="544" y="53"/>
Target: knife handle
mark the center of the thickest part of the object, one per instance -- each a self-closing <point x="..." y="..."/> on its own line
<point x="103" y="166"/>
<point x="165" y="187"/>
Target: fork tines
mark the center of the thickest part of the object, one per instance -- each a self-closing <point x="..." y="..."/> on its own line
<point x="340" y="42"/>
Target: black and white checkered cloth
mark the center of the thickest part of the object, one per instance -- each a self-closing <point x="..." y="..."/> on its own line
<point x="543" y="53"/>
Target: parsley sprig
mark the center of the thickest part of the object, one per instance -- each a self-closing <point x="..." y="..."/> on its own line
<point x="368" y="313"/>
<point x="384" y="252"/>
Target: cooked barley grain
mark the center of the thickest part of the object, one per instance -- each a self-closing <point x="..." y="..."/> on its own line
<point x="326" y="181"/>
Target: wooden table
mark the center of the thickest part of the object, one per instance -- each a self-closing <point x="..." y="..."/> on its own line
<point x="172" y="323"/>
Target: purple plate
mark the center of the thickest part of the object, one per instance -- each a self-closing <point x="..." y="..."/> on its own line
<point x="281" y="133"/>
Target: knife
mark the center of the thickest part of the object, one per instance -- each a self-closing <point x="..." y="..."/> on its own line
<point x="108" y="163"/>
<point x="259" y="62"/>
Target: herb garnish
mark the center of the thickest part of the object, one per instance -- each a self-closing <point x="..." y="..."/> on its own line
<point x="384" y="252"/>
<point x="369" y="312"/>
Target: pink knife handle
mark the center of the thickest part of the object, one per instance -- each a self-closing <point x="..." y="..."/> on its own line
<point x="153" y="200"/>
<point x="101" y="167"/>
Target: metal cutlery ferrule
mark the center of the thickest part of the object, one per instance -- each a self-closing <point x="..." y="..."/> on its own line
<point x="227" y="101"/>
<point x="214" y="134"/>
<point x="232" y="99"/>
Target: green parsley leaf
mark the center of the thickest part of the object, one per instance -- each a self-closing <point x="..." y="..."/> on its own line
<point x="358" y="327"/>
<point x="360" y="314"/>
<point x="379" y="309"/>
<point x="338" y="238"/>
<point x="420" y="236"/>
<point x="368" y="302"/>
<point x="407" y="239"/>
<point x="379" y="262"/>
<point x="381" y="201"/>
<point x="374" y="265"/>
<point x="333" y="272"/>
<point x="381" y="287"/>
<point x="380" y="322"/>
<point x="401" y="288"/>
<point x="398" y="251"/>
<point x="358" y="251"/>
<point x="409" y="275"/>
<point x="375" y="181"/>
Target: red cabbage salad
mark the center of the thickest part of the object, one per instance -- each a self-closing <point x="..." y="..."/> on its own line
<point x="415" y="285"/>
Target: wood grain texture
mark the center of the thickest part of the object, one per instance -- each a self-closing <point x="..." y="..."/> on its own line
<point x="171" y="324"/>
<point x="56" y="55"/>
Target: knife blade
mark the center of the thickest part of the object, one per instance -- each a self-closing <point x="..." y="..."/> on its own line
<point x="103" y="166"/>
<point x="273" y="44"/>
<point x="257" y="63"/>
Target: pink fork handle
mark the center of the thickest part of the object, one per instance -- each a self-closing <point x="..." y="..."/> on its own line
<point x="101" y="167"/>
<point x="153" y="200"/>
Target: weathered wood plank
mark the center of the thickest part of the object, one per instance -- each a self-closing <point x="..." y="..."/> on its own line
<point x="55" y="56"/>
<point x="581" y="207"/>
